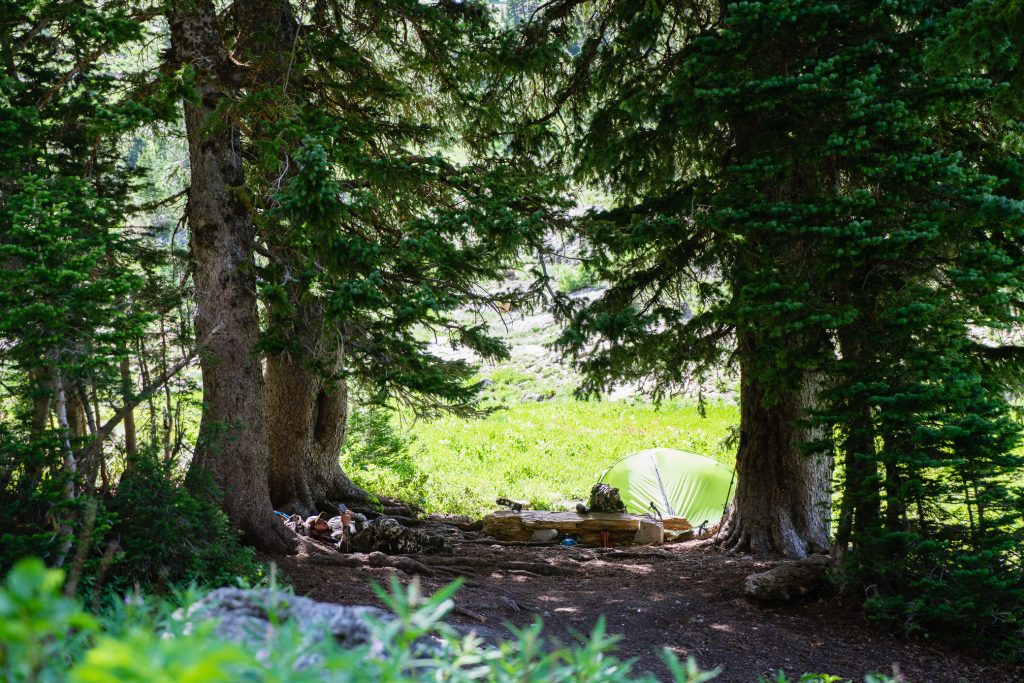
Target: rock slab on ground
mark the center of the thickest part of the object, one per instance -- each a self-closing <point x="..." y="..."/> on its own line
<point x="789" y="581"/>
<point x="244" y="616"/>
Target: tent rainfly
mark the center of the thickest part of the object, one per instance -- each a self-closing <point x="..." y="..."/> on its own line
<point x="678" y="483"/>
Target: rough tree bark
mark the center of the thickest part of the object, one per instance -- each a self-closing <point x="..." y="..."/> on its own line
<point x="782" y="493"/>
<point x="232" y="447"/>
<point x="60" y="406"/>
<point x="307" y="412"/>
<point x="131" y="448"/>
<point x="860" y="507"/>
<point x="307" y="400"/>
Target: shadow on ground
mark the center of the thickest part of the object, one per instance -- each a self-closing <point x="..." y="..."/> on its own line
<point x="683" y="597"/>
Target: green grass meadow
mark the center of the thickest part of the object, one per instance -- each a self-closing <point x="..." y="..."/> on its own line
<point x="548" y="453"/>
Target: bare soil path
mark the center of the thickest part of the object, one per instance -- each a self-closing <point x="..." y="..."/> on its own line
<point x="683" y="596"/>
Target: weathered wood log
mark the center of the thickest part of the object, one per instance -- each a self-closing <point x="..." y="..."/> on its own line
<point x="468" y="613"/>
<point x="587" y="528"/>
<point x="789" y="581"/>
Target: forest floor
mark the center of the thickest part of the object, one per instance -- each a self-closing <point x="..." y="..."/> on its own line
<point x="685" y="597"/>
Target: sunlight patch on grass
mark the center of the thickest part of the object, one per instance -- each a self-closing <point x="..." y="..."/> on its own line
<point x="548" y="453"/>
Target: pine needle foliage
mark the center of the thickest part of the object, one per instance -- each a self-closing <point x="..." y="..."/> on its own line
<point x="388" y="200"/>
<point x="64" y="191"/>
<point x="79" y="291"/>
<point x="795" y="185"/>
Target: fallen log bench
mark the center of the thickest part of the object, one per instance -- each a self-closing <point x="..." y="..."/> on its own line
<point x="507" y="525"/>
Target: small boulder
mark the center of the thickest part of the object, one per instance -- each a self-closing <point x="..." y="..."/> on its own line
<point x="649" y="532"/>
<point x="387" y="535"/>
<point x="245" y="616"/>
<point x="789" y="581"/>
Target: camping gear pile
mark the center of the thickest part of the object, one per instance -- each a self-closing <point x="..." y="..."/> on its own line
<point x="351" y="531"/>
<point x="603" y="498"/>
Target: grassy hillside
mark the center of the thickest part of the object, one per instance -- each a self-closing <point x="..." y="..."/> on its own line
<point x="548" y="452"/>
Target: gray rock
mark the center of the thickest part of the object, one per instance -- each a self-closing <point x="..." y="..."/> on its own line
<point x="790" y="581"/>
<point x="649" y="532"/>
<point x="245" y="616"/>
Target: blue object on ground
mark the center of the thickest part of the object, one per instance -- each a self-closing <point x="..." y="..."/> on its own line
<point x="569" y="541"/>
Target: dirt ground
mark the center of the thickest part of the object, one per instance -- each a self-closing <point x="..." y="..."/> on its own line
<point x="684" y="596"/>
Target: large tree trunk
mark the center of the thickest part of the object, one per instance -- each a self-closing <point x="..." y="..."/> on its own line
<point x="782" y="493"/>
<point x="232" y="447"/>
<point x="307" y="410"/>
<point x="307" y="399"/>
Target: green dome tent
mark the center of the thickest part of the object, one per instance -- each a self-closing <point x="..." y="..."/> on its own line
<point x="679" y="483"/>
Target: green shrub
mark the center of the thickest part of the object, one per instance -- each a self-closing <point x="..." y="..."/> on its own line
<point x="46" y="637"/>
<point x="946" y="590"/>
<point x="170" y="537"/>
<point x="372" y="439"/>
<point x="573" y="278"/>
<point x="32" y="496"/>
<point x="41" y="633"/>
<point x="378" y="455"/>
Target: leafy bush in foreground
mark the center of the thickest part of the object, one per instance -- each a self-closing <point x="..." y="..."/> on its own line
<point x="47" y="638"/>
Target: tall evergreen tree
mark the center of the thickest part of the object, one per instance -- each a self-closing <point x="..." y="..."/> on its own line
<point x="666" y="112"/>
<point x="64" y="192"/>
<point x="368" y="229"/>
<point x="734" y="142"/>
<point x="794" y="184"/>
<point x="232" y="447"/>
<point x="924" y="285"/>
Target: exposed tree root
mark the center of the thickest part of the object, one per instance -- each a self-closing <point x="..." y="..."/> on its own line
<point x="535" y="568"/>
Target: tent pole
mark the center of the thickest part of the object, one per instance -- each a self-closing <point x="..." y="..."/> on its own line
<point x="726" y="506"/>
